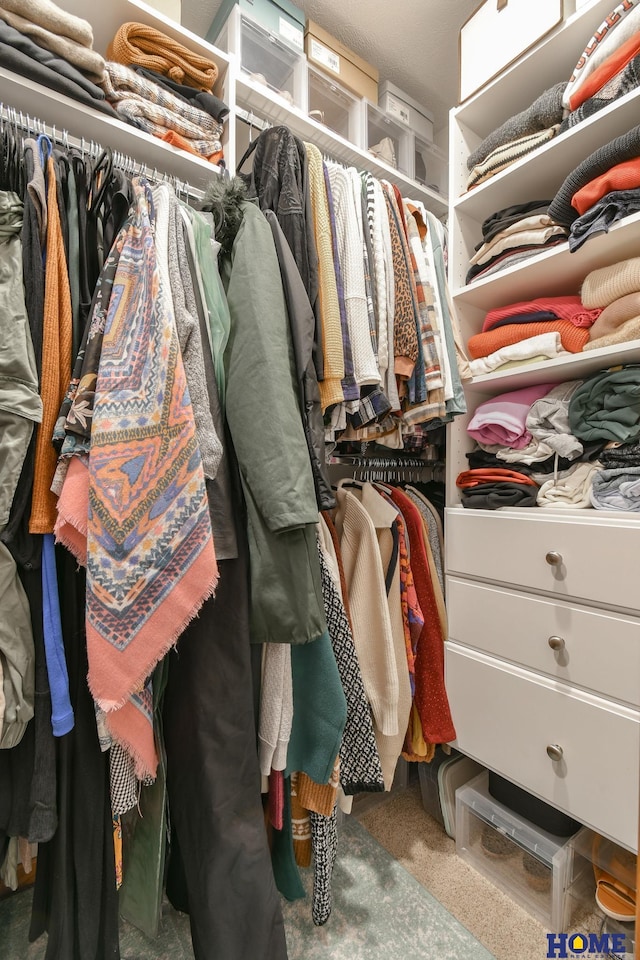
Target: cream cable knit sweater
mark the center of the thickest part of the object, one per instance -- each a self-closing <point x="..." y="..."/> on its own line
<point x="349" y="242"/>
<point x="53" y="18"/>
<point x="390" y="747"/>
<point x="601" y="287"/>
<point x="276" y="707"/>
<point x="372" y="628"/>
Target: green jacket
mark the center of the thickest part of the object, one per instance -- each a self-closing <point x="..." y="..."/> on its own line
<point x="268" y="437"/>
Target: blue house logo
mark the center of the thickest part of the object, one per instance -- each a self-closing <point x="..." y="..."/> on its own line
<point x="563" y="945"/>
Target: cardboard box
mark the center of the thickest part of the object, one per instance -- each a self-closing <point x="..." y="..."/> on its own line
<point x="280" y="17"/>
<point x="337" y="61"/>
<point x="170" y="8"/>
<point x="401" y="106"/>
<point x="499" y="32"/>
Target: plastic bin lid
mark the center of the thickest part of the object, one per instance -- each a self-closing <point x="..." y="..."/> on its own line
<point x="475" y="795"/>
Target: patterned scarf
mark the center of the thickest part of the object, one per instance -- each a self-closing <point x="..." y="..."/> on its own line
<point x="150" y="555"/>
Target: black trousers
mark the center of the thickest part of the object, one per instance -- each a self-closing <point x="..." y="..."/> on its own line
<point x="220" y="867"/>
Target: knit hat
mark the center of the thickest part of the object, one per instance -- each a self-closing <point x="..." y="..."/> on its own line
<point x="601" y="287"/>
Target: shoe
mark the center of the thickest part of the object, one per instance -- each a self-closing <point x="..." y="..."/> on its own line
<point x="537" y="874"/>
<point x="495" y="845"/>
<point x="615" y="886"/>
<point x="385" y="150"/>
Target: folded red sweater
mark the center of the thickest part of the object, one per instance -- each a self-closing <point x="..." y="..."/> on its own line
<point x="623" y="176"/>
<point x="565" y="308"/>
<point x="473" y="478"/>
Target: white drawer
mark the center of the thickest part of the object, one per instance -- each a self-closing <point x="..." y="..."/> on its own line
<point x="506" y="717"/>
<point x="597" y="555"/>
<point x="583" y="646"/>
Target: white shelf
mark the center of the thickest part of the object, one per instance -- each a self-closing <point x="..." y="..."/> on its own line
<point x="540" y="175"/>
<point x="548" y="62"/>
<point x="106" y="18"/>
<point x="268" y="105"/>
<point x="81" y="121"/>
<point x="574" y="366"/>
<point x="554" y="272"/>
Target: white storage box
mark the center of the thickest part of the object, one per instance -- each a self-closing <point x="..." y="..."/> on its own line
<point x="529" y="864"/>
<point x="400" y="106"/>
<point x="387" y="139"/>
<point x="264" y="56"/>
<point x="334" y="106"/>
<point x="430" y="166"/>
<point x="499" y="32"/>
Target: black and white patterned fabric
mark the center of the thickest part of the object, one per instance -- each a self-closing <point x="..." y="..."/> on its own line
<point x="324" y="843"/>
<point x="360" y="769"/>
<point x="123" y="781"/>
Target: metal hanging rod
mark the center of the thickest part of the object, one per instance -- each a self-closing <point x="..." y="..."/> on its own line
<point x="34" y="126"/>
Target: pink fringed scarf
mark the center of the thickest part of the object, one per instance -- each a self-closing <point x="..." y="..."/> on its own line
<point x="149" y="547"/>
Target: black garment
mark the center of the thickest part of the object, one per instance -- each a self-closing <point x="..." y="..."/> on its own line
<point x="28" y="770"/>
<point x="302" y="324"/>
<point x="75" y="896"/>
<point x="614" y="206"/>
<point x="539" y="316"/>
<point x="25" y="66"/>
<point x="279" y="179"/>
<point x="481" y="458"/>
<point x="213" y="783"/>
<point x="490" y="496"/>
<point x="622" y="455"/>
<point x="508" y="216"/>
<point x="207" y="102"/>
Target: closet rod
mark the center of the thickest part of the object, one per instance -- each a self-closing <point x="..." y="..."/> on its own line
<point x="34" y="126"/>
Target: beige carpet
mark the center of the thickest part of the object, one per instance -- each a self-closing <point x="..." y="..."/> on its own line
<point x="402" y="826"/>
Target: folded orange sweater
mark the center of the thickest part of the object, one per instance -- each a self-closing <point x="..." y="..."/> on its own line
<point x="135" y="44"/>
<point x="607" y="69"/>
<point x="473" y="478"/>
<point x="482" y="344"/>
<point x="624" y="176"/>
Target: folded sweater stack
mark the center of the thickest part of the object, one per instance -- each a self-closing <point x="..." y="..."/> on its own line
<point x="514" y="332"/>
<point x="517" y="137"/>
<point x="44" y="43"/>
<point x="616" y="291"/>
<point x="165" y="89"/>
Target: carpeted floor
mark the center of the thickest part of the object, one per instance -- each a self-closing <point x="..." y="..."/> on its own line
<point x="399" y="893"/>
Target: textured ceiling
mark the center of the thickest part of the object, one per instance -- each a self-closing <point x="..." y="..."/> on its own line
<point x="414" y="43"/>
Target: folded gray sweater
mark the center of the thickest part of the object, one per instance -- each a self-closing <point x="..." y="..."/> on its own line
<point x="616" y="151"/>
<point x="542" y="114"/>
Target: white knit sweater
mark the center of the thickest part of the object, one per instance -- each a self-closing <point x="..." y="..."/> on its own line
<point x="349" y="241"/>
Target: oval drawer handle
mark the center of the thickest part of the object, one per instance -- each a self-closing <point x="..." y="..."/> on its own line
<point x="553" y="558"/>
<point x="555" y="752"/>
<point x="556" y="643"/>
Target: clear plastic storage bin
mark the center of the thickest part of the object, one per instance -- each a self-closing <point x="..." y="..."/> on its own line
<point x="529" y="864"/>
<point x="430" y="166"/>
<point x="387" y="140"/>
<point x="265" y="57"/>
<point x="602" y="889"/>
<point x="334" y="106"/>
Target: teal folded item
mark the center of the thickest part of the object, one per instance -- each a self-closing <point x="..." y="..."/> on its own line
<point x="607" y="405"/>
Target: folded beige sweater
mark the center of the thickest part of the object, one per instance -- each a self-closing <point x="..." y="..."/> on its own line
<point x="80" y="56"/>
<point x="50" y="16"/>
<point x="601" y="287"/>
<point x="613" y="316"/>
<point x="630" y="330"/>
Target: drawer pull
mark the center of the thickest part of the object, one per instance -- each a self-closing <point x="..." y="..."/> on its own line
<point x="553" y="558"/>
<point x="556" y="643"/>
<point x="555" y="752"/>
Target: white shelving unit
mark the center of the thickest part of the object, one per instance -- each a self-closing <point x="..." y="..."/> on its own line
<point x="235" y="87"/>
<point x="515" y="698"/>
